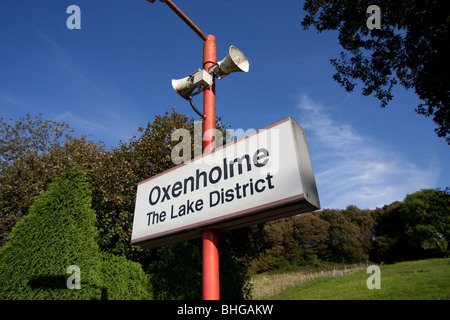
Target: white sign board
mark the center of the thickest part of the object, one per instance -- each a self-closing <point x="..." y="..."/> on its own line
<point x="260" y="177"/>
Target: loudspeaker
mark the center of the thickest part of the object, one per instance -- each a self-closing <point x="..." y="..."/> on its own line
<point x="183" y="87"/>
<point x="235" y="61"/>
<point x="199" y="79"/>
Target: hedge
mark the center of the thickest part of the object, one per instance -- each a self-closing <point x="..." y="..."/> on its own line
<point x="58" y="232"/>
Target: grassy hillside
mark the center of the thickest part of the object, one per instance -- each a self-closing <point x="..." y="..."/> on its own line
<point x="424" y="279"/>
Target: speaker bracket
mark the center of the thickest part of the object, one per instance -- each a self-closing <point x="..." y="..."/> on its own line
<point x="220" y="77"/>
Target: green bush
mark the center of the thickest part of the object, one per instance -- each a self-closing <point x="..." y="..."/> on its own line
<point x="58" y="232"/>
<point x="176" y="271"/>
<point x="123" y="279"/>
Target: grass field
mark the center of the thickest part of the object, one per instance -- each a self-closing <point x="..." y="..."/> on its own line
<point x="424" y="280"/>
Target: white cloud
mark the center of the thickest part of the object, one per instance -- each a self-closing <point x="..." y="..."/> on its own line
<point x="62" y="58"/>
<point x="354" y="169"/>
<point x="92" y="129"/>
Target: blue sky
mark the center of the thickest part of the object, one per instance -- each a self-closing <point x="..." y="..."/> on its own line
<point x="114" y="75"/>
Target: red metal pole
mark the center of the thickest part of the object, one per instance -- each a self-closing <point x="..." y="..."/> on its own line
<point x="185" y="19"/>
<point x="209" y="96"/>
<point x="211" y="287"/>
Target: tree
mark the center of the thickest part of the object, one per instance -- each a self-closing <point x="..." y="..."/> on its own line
<point x="411" y="49"/>
<point x="33" y="152"/>
<point x="389" y="245"/>
<point x="57" y="236"/>
<point x="282" y="245"/>
<point x="365" y="223"/>
<point x="328" y="235"/>
<point x="417" y="228"/>
<point x="173" y="266"/>
<point x="311" y="233"/>
<point x="427" y="217"/>
<point x="342" y="242"/>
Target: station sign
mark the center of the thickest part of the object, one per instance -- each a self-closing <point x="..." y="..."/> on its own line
<point x="263" y="176"/>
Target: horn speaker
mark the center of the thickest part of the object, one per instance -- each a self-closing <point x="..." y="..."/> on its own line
<point x="235" y="61"/>
<point x="185" y="86"/>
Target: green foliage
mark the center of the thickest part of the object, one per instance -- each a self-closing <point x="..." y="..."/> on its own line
<point x="176" y="272"/>
<point x="59" y="232"/>
<point x="265" y="262"/>
<point x="34" y="152"/>
<point x="417" y="228"/>
<point x="342" y="244"/>
<point x="428" y="217"/>
<point x="39" y="151"/>
<point x="329" y="235"/>
<point x="410" y="49"/>
<point x="233" y="276"/>
<point x="123" y="279"/>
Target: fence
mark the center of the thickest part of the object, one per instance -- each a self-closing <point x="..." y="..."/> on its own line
<point x="266" y="286"/>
